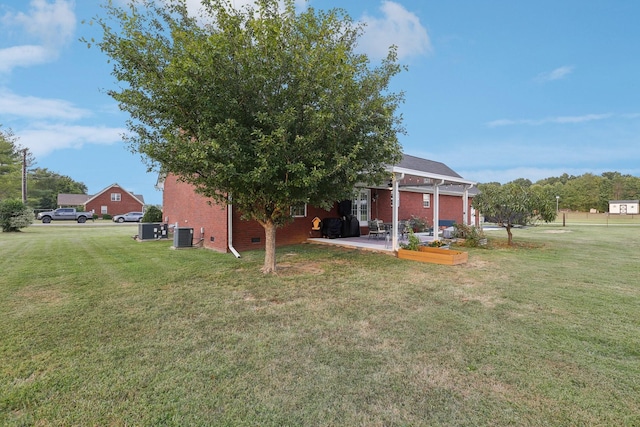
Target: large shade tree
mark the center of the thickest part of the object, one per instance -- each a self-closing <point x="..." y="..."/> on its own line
<point x="266" y="105"/>
<point x="515" y="204"/>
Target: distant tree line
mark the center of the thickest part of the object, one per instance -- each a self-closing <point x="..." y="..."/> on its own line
<point x="43" y="185"/>
<point x="577" y="193"/>
<point x="588" y="191"/>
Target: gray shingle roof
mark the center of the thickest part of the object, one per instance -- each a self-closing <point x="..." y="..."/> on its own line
<point x="425" y="165"/>
<point x="72" y="199"/>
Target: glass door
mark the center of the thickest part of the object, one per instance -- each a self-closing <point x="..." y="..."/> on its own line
<point x="360" y="205"/>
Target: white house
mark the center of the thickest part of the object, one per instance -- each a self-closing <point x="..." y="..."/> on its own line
<point x="624" y="206"/>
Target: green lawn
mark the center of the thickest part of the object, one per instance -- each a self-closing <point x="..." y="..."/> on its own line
<point x="98" y="329"/>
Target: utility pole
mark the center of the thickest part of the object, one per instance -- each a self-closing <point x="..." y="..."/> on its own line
<point x="24" y="175"/>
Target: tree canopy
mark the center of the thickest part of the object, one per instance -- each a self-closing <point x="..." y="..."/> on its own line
<point x="43" y="186"/>
<point x="514" y="204"/>
<point x="589" y="191"/>
<point x="10" y="166"/>
<point x="264" y="104"/>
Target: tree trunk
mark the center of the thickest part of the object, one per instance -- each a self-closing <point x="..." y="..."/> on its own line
<point x="269" y="247"/>
<point x="510" y="235"/>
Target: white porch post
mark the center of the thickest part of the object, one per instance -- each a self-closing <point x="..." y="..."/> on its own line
<point x="394" y="212"/>
<point x="436" y="208"/>
<point x="465" y="206"/>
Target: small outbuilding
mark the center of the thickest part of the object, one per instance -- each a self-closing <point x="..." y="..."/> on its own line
<point x="624" y="207"/>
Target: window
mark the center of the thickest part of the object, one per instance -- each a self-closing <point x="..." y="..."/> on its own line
<point x="104" y="210"/>
<point x="116" y="197"/>
<point x="426" y="200"/>
<point x="299" y="210"/>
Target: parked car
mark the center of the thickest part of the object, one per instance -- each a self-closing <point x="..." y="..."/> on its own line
<point x="129" y="217"/>
<point x="68" y="214"/>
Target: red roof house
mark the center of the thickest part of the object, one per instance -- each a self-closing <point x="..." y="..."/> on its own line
<point x="113" y="200"/>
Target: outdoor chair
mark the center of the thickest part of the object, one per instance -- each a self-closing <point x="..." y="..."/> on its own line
<point x="376" y="229"/>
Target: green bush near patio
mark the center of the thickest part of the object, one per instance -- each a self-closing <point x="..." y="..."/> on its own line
<point x="99" y="329"/>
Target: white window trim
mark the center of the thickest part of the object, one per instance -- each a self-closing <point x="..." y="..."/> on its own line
<point x="298" y="216"/>
<point x="426" y="200"/>
<point x="357" y="205"/>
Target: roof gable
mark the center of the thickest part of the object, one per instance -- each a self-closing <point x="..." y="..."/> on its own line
<point x="139" y="198"/>
<point x="83" y="199"/>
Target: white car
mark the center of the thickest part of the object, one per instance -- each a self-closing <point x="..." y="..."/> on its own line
<point x="128" y="217"/>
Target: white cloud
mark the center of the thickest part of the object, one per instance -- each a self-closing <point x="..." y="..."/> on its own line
<point x="45" y="125"/>
<point x="44" y="139"/>
<point x="557" y="74"/>
<point x="397" y="27"/>
<point x="550" y="120"/>
<point x="39" y="108"/>
<point x="24" y="56"/>
<point x="50" y="25"/>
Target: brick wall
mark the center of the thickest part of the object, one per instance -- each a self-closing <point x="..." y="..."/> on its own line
<point x="182" y="205"/>
<point x="249" y="235"/>
<point x="412" y="204"/>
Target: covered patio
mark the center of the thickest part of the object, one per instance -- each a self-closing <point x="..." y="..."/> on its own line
<point x="430" y="181"/>
<point x="364" y="242"/>
<point x="414" y="175"/>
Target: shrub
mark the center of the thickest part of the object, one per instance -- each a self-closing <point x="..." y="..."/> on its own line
<point x="14" y="215"/>
<point x="104" y="216"/>
<point x="413" y="242"/>
<point x="152" y="214"/>
<point x="418" y="224"/>
<point x="473" y="236"/>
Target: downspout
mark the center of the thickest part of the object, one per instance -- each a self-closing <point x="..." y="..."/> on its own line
<point x="230" y="229"/>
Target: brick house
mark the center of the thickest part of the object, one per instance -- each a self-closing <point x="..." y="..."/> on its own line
<point x="425" y="189"/>
<point x="113" y="200"/>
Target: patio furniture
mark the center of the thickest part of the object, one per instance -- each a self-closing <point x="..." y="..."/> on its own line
<point x="377" y="229"/>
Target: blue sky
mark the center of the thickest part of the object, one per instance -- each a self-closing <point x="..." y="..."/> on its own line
<point x="496" y="89"/>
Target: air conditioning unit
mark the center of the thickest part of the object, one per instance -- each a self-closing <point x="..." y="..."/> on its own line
<point x="152" y="231"/>
<point x="182" y="237"/>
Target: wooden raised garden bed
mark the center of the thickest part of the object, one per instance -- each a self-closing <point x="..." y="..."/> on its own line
<point x="434" y="255"/>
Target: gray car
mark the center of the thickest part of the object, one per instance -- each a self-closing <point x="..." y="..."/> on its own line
<point x="129" y="217"/>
